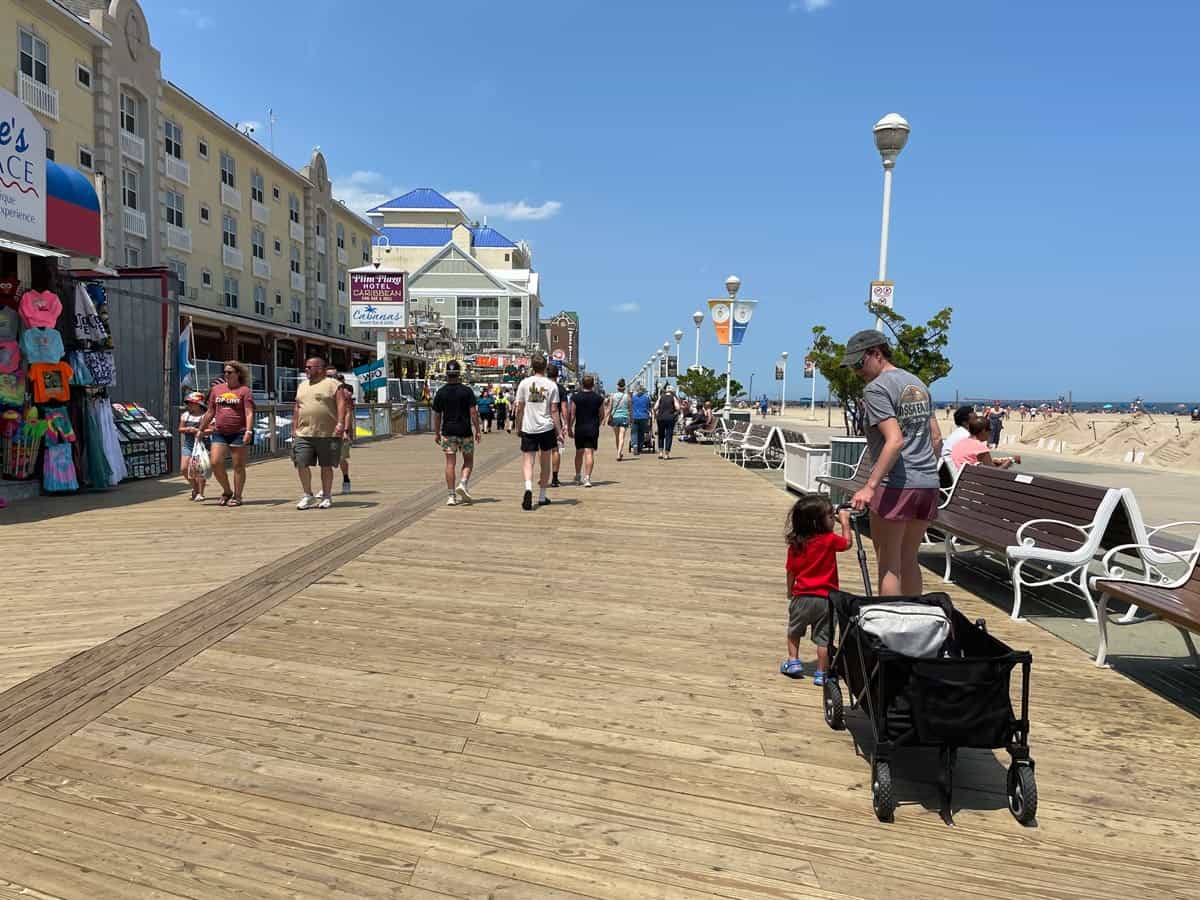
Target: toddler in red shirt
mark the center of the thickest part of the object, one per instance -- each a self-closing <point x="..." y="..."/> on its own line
<point x="812" y="573"/>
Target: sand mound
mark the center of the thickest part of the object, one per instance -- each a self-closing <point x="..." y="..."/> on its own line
<point x="1064" y="427"/>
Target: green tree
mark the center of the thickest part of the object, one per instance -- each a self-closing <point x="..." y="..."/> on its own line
<point x="920" y="349"/>
<point x="705" y="384"/>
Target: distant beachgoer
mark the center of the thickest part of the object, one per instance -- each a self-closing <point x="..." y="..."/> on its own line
<point x="995" y="419"/>
<point x="973" y="450"/>
<point x="701" y="421"/>
<point x="487" y="409"/>
<point x="500" y="407"/>
<point x="616" y="411"/>
<point x="586" y="419"/>
<point x="904" y="440"/>
<point x="763" y="405"/>
<point x="963" y="417"/>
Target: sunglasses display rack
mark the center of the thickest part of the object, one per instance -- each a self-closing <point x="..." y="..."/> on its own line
<point x="145" y="441"/>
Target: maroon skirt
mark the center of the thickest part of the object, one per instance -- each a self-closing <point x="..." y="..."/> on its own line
<point x="906" y="504"/>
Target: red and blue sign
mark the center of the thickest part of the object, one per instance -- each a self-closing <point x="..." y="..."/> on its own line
<point x="72" y="211"/>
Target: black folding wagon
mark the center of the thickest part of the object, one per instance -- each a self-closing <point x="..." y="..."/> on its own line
<point x="957" y="697"/>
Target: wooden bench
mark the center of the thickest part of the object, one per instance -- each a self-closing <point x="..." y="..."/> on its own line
<point x="1033" y="519"/>
<point x="1176" y="601"/>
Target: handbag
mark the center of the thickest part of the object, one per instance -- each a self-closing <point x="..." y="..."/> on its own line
<point x="200" y="465"/>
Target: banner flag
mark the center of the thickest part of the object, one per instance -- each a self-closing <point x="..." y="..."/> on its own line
<point x="187" y="368"/>
<point x="742" y="311"/>
<point x="720" y="313"/>
<point x="368" y="367"/>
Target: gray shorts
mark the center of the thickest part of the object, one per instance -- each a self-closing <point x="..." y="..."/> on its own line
<point x="809" y="612"/>
<point x="314" y="451"/>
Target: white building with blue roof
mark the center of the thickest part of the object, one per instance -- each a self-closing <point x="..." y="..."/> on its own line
<point x="474" y="279"/>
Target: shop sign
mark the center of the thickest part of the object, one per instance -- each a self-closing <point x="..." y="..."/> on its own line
<point x="377" y="299"/>
<point x="22" y="170"/>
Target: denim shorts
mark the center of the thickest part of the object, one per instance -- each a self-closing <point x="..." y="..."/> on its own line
<point x="233" y="440"/>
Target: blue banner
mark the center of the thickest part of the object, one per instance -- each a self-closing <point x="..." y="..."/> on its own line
<point x="374" y="384"/>
<point x="368" y="367"/>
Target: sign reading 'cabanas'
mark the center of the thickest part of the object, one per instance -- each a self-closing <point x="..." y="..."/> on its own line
<point x="22" y="170"/>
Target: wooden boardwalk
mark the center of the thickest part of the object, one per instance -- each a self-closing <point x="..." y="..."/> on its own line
<point x="414" y="701"/>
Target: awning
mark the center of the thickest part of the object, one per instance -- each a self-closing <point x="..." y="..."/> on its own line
<point x="30" y="249"/>
<point x="72" y="211"/>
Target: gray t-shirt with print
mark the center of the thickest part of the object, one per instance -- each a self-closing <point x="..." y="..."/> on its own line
<point x="899" y="395"/>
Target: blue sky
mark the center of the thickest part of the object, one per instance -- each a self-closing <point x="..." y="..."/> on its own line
<point x="647" y="150"/>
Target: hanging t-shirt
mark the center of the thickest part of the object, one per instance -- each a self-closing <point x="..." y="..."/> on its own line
<point x="51" y="381"/>
<point x="10" y="324"/>
<point x="42" y="345"/>
<point x="539" y="394"/>
<point x="40" y="309"/>
<point x="12" y="389"/>
<point x="88" y="327"/>
<point x="230" y="405"/>
<point x="10" y="356"/>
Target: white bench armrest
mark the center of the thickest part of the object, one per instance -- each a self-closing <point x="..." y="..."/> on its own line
<point x="1117" y="573"/>
<point x="1150" y="532"/>
<point x="1023" y="541"/>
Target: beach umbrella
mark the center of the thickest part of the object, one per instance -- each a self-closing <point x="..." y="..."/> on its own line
<point x="1108" y="406"/>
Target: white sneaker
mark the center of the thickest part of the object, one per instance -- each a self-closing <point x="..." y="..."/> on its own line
<point x="308" y="501"/>
<point x="325" y="503"/>
<point x="450" y="501"/>
<point x="463" y="494"/>
<point x="587" y="482"/>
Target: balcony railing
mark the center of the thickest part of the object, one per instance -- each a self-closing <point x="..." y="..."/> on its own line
<point x="231" y="197"/>
<point x="341" y="255"/>
<point x="133" y="147"/>
<point x="260" y="213"/>
<point x="178" y="170"/>
<point x="321" y="292"/>
<point x="295" y="230"/>
<point x="179" y="238"/>
<point x="134" y="221"/>
<point x="231" y="258"/>
<point x="320" y="243"/>
<point x="262" y="268"/>
<point x="489" y="335"/>
<point x="297" y="281"/>
<point x="37" y="96"/>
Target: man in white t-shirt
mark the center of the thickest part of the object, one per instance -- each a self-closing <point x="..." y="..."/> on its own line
<point x="539" y="419"/>
<point x="962" y="422"/>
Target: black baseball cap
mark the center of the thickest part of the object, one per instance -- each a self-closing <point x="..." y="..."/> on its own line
<point x="454" y="367"/>
<point x="860" y="342"/>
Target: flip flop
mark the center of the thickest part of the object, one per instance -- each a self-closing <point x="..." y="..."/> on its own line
<point x="234" y="501"/>
<point x="225" y="498"/>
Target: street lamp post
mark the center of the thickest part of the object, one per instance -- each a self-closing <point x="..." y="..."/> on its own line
<point x="891" y="134"/>
<point x="678" y="361"/>
<point x="697" y="317"/>
<point x="664" y="367"/>
<point x="783" y="393"/>
<point x="732" y="283"/>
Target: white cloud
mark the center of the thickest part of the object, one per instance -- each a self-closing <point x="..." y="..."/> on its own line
<point x="515" y="211"/>
<point x="808" y="5"/>
<point x="364" y="189"/>
<point x="631" y="306"/>
<point x="198" y="19"/>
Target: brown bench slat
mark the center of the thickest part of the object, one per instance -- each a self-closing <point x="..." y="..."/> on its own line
<point x="1179" y="606"/>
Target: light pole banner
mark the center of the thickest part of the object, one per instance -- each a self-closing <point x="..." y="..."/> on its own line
<point x="672" y="366"/>
<point x="742" y="311"/>
<point x="808" y="367"/>
<point x="720" y="313"/>
<point x="883" y="293"/>
<point x="778" y="372"/>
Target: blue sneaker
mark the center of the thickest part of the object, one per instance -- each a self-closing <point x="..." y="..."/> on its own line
<point x="792" y="668"/>
<point x="818" y="678"/>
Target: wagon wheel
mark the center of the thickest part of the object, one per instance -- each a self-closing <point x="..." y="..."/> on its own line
<point x="883" y="798"/>
<point x="835" y="710"/>
<point x="1022" y="793"/>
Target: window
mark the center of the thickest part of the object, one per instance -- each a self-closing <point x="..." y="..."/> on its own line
<point x="49" y="144"/>
<point x="205" y="215"/>
<point x="279" y="298"/>
<point x="179" y="269"/>
<point x="172" y="139"/>
<point x="295" y="309"/>
<point x="230" y="294"/>
<point x="466" y="306"/>
<point x="129" y="113"/>
<point x="321" y="273"/>
<point x="320" y="225"/>
<point x="85" y="157"/>
<point x="257" y="185"/>
<point x="506" y="257"/>
<point x="341" y="280"/>
<point x="258" y="244"/>
<point x="366" y="255"/>
<point x="202" y="148"/>
<point x="295" y="263"/>
<point x="294" y="208"/>
<point x="341" y="323"/>
<point x="129" y="188"/>
<point x="260" y="300"/>
<point x="275" y="191"/>
<point x="83" y="76"/>
<point x="133" y="256"/>
<point x="514" y="327"/>
<point x="354" y="240"/>
<point x="319" y="317"/>
<point x="341" y="237"/>
<point x="35" y="58"/>
<point x="205" y="278"/>
<point x="175" y="209"/>
<point x="278" y="247"/>
<point x="229" y="231"/>
<point x="228" y="170"/>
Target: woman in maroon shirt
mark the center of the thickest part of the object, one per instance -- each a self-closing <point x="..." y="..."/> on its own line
<point x="231" y="411"/>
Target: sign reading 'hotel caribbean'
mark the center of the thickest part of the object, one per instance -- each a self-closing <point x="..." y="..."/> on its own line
<point x="377" y="299"/>
<point x="22" y="170"/>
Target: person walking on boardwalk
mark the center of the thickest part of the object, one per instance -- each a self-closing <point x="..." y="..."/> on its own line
<point x="318" y="425"/>
<point x="348" y="425"/>
<point x="560" y="435"/>
<point x="586" y="417"/>
<point x="904" y="440"/>
<point x="189" y="434"/>
<point x="455" y="420"/>
<point x="487" y="406"/>
<point x="616" y="411"/>
<point x="539" y="416"/>
<point x="666" y="411"/>
<point x="641" y="419"/>
<point x="500" y="406"/>
<point x="231" y="415"/>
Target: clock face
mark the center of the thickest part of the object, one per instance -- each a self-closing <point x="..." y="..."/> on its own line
<point x="133" y="35"/>
<point x="720" y="313"/>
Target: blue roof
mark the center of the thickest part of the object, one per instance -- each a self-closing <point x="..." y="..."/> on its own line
<point x="415" y="237"/>
<point x="421" y="198"/>
<point x="485" y="236"/>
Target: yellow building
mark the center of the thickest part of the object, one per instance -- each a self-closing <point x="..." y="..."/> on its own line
<point x="260" y="248"/>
